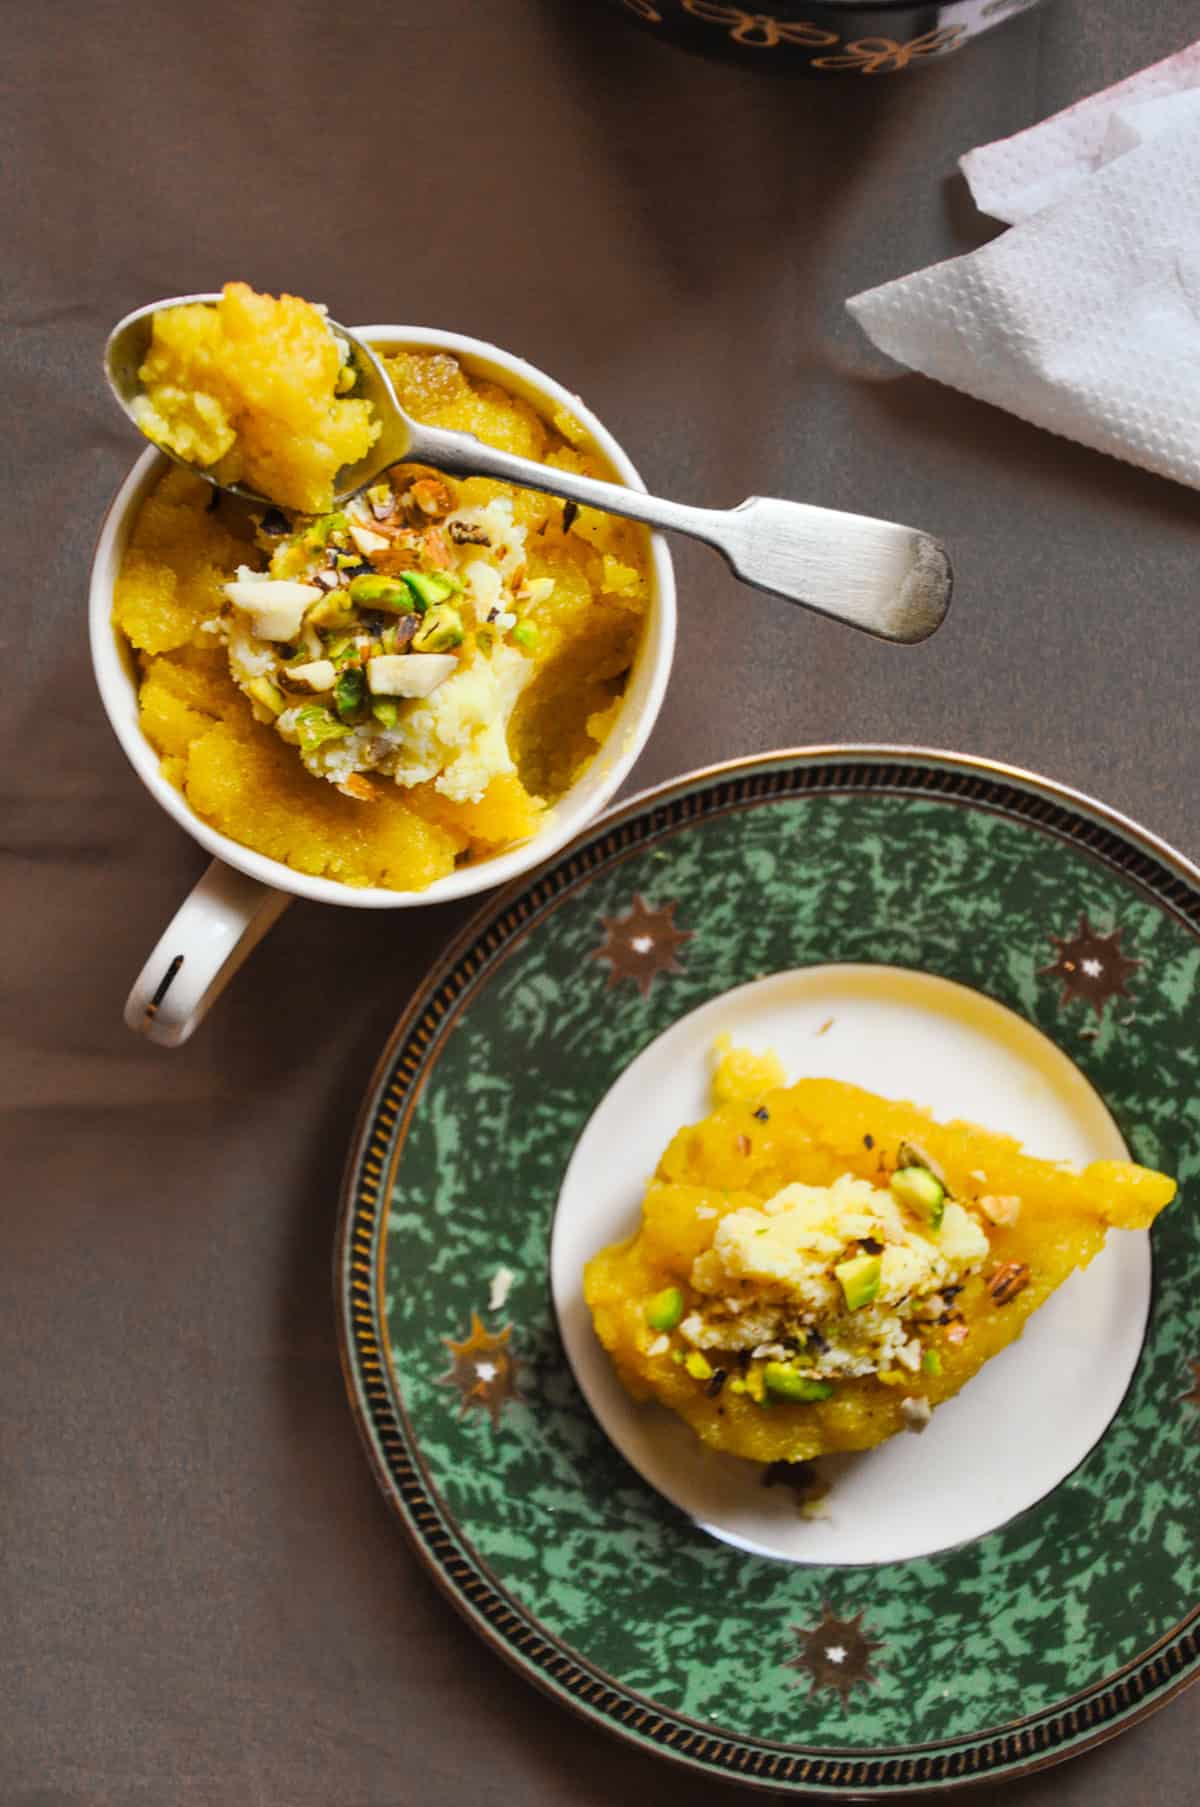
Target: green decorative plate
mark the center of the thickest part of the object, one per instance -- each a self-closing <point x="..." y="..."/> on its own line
<point x="1016" y="1585"/>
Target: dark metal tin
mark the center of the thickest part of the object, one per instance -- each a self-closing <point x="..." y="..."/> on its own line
<point x="834" y="37"/>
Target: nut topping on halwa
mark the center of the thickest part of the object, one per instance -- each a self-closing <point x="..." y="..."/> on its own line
<point x="1010" y="1278"/>
<point x="1000" y="1210"/>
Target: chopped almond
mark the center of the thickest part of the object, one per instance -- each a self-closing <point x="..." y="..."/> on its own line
<point x="360" y="788"/>
<point x="434" y="549"/>
<point x="1001" y="1209"/>
<point x="403" y="553"/>
<point x="432" y="496"/>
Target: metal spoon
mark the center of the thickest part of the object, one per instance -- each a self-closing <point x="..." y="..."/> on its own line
<point x="891" y="581"/>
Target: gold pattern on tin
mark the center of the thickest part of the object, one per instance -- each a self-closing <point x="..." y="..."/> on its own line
<point x="757" y="29"/>
<point x="872" y="56"/>
<point x="642" y="9"/>
<point x="760" y="31"/>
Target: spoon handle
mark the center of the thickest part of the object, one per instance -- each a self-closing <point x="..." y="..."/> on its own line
<point x="891" y="581"/>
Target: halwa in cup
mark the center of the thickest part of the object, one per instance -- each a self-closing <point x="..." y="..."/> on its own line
<point x="244" y="892"/>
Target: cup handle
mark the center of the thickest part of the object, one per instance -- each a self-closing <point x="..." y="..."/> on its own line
<point x="219" y="923"/>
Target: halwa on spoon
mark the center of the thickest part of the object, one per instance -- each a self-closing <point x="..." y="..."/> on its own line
<point x="889" y="580"/>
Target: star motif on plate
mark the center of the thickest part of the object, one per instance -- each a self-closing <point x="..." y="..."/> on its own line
<point x="835" y="1654"/>
<point x="484" y="1370"/>
<point x="641" y="944"/>
<point x="1192" y="1398"/>
<point x="1091" y="966"/>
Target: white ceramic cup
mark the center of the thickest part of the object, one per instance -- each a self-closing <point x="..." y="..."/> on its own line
<point x="243" y="892"/>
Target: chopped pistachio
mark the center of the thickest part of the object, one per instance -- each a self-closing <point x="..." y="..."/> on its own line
<point x="441" y="629"/>
<point x="782" y="1381"/>
<point x="322" y="530"/>
<point x="665" y="1309"/>
<point x="431" y="587"/>
<point x="316" y="725"/>
<point x="859" y="1280"/>
<point x="267" y="695"/>
<point x="375" y="592"/>
<point x="922" y="1192"/>
<point x="333" y="611"/>
<point x="350" y="691"/>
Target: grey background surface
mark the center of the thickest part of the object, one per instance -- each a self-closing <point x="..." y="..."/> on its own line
<point x="203" y="1599"/>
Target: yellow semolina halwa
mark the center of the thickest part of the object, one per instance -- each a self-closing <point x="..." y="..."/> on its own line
<point x="251" y="389"/>
<point x="525" y="613"/>
<point x="818" y="1268"/>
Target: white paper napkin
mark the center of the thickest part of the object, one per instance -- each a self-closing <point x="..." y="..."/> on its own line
<point x="1085" y="316"/>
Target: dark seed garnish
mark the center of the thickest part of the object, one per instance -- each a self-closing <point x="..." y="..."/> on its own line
<point x="763" y="1114"/>
<point x="802" y="1479"/>
<point x="790" y="1474"/>
<point x="275" y="521"/>
<point x="467" y="533"/>
<point x="570" y="511"/>
<point x="868" y="1141"/>
<point x="716" y="1383"/>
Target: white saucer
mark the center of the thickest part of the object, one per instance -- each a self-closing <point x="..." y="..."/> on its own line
<point x="1026" y="1421"/>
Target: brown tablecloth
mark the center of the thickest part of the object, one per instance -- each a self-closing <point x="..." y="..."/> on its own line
<point x="203" y="1601"/>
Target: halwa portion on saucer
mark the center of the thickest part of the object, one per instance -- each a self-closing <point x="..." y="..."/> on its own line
<point x="379" y="693"/>
<point x="254" y="388"/>
<point x="818" y="1268"/>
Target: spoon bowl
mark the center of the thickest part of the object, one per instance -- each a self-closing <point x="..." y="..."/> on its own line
<point x="128" y="346"/>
